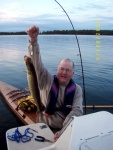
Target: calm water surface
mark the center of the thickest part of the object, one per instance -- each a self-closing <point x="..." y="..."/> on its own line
<point x="98" y="74"/>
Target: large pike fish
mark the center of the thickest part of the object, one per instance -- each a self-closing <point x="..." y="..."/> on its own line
<point x="32" y="82"/>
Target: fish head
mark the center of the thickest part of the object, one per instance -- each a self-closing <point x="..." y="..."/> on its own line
<point x="27" y="60"/>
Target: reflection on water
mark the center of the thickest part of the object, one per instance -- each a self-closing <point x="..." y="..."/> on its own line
<point x="9" y="56"/>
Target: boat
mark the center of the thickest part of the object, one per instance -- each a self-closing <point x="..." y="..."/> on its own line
<point x="11" y="96"/>
<point x="88" y="132"/>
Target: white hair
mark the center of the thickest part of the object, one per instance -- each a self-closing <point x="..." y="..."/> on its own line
<point x="68" y="60"/>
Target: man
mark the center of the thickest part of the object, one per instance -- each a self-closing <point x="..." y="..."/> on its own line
<point x="61" y="97"/>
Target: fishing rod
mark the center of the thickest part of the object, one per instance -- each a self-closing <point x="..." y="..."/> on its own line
<point x="84" y="95"/>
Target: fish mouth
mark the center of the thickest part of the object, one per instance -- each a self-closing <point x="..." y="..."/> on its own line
<point x="27" y="59"/>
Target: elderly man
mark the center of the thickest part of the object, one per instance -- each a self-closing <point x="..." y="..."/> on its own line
<point x="61" y="97"/>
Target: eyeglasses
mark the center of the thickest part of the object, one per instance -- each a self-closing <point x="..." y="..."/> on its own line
<point x="63" y="69"/>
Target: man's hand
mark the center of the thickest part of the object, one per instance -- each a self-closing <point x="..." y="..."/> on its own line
<point x="56" y="136"/>
<point x="33" y="32"/>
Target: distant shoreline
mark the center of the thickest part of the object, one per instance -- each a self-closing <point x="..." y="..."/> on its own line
<point x="65" y="32"/>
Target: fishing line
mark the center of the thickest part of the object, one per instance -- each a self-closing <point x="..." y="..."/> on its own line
<point x="84" y="95"/>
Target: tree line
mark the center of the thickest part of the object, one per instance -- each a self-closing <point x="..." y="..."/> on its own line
<point x="68" y="32"/>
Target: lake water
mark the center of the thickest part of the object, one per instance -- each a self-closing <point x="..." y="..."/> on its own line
<point x="98" y="74"/>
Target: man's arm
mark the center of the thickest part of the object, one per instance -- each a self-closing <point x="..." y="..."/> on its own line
<point x="43" y="76"/>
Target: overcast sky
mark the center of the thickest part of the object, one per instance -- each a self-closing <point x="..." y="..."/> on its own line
<point x="18" y="15"/>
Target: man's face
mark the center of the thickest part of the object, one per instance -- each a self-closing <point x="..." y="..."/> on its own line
<point x="65" y="72"/>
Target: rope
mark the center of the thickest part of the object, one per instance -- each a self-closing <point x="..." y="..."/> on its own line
<point x="17" y="136"/>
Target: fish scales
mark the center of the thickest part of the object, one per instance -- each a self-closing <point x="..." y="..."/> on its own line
<point x="32" y="82"/>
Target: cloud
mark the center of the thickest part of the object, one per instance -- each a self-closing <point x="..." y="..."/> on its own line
<point x="12" y="12"/>
<point x="88" y="7"/>
<point x="95" y="6"/>
<point x="83" y="15"/>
